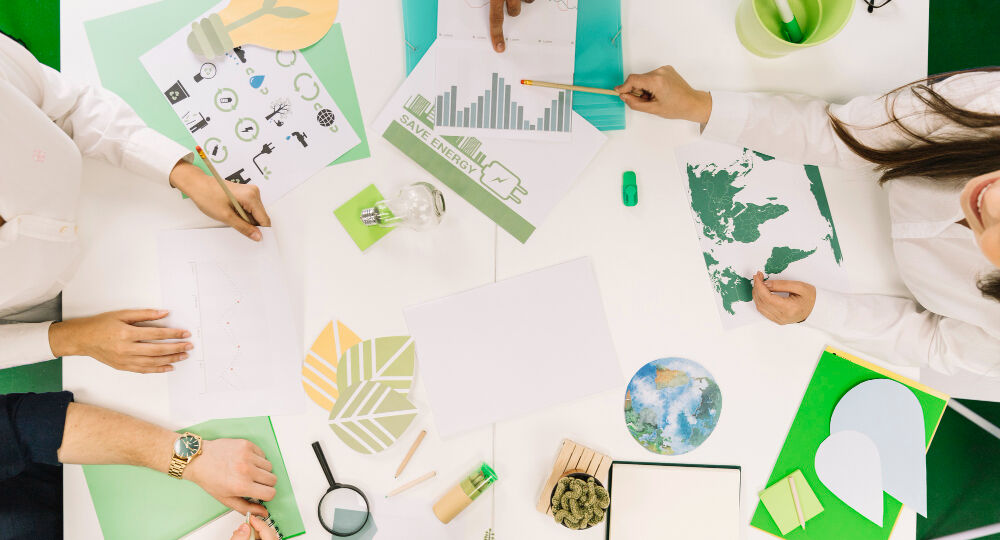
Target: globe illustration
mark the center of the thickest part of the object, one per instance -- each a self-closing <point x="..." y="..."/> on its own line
<point x="325" y="117"/>
<point x="672" y="405"/>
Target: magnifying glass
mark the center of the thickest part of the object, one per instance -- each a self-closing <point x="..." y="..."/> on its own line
<point x="343" y="509"/>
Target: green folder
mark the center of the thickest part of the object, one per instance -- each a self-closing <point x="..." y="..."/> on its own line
<point x="118" y="41"/>
<point x="963" y="469"/>
<point x="961" y="35"/>
<point x="835" y="375"/>
<point x="135" y="502"/>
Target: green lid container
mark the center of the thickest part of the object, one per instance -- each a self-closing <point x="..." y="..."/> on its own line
<point x="478" y="481"/>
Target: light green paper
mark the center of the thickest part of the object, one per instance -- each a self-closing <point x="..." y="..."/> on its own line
<point x="349" y="215"/>
<point x="370" y="417"/>
<point x="388" y="360"/>
<point x="135" y="502"/>
<point x="117" y="41"/>
<point x="781" y="505"/>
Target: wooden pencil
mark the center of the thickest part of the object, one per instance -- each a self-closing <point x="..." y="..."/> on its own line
<point x="588" y="89"/>
<point x="798" y="506"/>
<point x="408" y="485"/>
<point x="222" y="183"/>
<point x="416" y="443"/>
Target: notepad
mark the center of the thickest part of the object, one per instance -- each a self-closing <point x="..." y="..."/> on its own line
<point x="661" y="500"/>
<point x="135" y="502"/>
<point x="780" y="503"/>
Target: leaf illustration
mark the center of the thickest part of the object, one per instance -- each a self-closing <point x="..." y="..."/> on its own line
<point x="370" y="417"/>
<point x="389" y="360"/>
<point x="319" y="370"/>
<point x="288" y="12"/>
<point x="268" y="4"/>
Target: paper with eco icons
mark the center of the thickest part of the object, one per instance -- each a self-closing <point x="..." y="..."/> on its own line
<point x="876" y="444"/>
<point x="262" y="116"/>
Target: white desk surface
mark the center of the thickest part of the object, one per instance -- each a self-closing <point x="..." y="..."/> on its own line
<point x="656" y="292"/>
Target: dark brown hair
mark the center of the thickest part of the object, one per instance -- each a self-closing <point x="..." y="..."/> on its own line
<point x="953" y="159"/>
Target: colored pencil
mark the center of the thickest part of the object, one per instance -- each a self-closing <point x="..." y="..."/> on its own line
<point x="222" y="184"/>
<point x="798" y="506"/>
<point x="588" y="89"/>
<point x="408" y="485"/>
<point x="409" y="454"/>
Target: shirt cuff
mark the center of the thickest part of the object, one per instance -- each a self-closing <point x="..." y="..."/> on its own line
<point x="829" y="312"/>
<point x="730" y="113"/>
<point x="25" y="343"/>
<point x="40" y="423"/>
<point x="153" y="155"/>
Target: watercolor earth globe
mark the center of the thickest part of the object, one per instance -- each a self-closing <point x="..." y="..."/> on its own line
<point x="672" y="405"/>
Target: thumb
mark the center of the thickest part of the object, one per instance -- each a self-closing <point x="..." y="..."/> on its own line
<point x="244" y="228"/>
<point x="242" y="506"/>
<point x="132" y="316"/>
<point x="637" y="103"/>
<point x="786" y="286"/>
<point x="241" y="533"/>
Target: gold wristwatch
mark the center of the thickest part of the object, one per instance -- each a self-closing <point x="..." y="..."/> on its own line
<point x="186" y="448"/>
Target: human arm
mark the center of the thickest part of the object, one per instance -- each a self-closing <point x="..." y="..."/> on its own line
<point x="497" y="17"/>
<point x="227" y="469"/>
<point x="895" y="329"/>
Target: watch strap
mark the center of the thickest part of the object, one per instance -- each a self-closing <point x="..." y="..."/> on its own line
<point x="177" y="466"/>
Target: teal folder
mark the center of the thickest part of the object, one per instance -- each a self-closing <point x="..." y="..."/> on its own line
<point x="598" y="53"/>
<point x="135" y="502"/>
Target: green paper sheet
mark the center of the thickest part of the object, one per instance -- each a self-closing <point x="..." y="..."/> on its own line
<point x="36" y="23"/>
<point x="953" y="41"/>
<point x="40" y="377"/>
<point x="963" y="468"/>
<point x="118" y="41"/>
<point x="780" y="503"/>
<point x="135" y="502"/>
<point x="349" y="215"/>
<point x="835" y="375"/>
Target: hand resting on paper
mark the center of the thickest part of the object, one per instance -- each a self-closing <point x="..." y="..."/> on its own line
<point x="497" y="16"/>
<point x="212" y="201"/>
<point x="231" y="469"/>
<point x="792" y="309"/>
<point x="665" y="93"/>
<point x="263" y="531"/>
<point x="114" y="339"/>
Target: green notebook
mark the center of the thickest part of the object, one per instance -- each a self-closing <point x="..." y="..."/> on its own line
<point x="836" y="374"/>
<point x="962" y="471"/>
<point x="135" y="502"/>
<point x="118" y="41"/>
<point x="954" y="32"/>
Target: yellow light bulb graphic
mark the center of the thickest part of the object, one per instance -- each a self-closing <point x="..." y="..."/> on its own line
<point x="274" y="24"/>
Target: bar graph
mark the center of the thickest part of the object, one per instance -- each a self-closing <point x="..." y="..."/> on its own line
<point x="496" y="108"/>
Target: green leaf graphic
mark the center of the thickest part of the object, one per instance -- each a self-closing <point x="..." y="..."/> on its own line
<point x="288" y="12"/>
<point x="370" y="416"/>
<point x="388" y="360"/>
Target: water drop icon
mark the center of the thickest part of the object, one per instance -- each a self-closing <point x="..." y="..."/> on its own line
<point x="256" y="81"/>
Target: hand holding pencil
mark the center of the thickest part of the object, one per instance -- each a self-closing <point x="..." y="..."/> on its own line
<point x="215" y="203"/>
<point x="666" y="94"/>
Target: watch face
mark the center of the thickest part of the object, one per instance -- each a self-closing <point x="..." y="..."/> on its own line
<point x="186" y="446"/>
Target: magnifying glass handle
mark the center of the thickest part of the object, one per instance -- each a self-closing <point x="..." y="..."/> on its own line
<point x="322" y="463"/>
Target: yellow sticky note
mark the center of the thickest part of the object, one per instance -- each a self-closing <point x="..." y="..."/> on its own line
<point x="780" y="504"/>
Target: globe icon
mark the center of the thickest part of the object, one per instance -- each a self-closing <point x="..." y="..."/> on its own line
<point x="325" y="117"/>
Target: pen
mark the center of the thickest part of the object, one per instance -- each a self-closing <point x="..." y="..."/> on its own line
<point x="792" y="30"/>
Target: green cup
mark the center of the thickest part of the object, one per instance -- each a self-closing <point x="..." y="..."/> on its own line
<point x="759" y="27"/>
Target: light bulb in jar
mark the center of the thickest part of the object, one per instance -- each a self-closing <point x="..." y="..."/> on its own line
<point x="293" y="24"/>
<point x="419" y="206"/>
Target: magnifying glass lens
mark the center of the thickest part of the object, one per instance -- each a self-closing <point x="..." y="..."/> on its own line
<point x="343" y="511"/>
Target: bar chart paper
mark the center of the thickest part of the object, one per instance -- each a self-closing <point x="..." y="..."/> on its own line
<point x="478" y="92"/>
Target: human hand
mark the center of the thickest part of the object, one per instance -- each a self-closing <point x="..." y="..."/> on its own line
<point x="113" y="338"/>
<point x="263" y="531"/>
<point x="496" y="19"/>
<point x="792" y="309"/>
<point x="231" y="469"/>
<point x="213" y="202"/>
<point x="665" y="93"/>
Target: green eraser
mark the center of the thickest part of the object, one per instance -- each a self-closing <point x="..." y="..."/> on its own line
<point x="630" y="192"/>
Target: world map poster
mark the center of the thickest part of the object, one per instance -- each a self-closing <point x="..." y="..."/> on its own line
<point x="754" y="212"/>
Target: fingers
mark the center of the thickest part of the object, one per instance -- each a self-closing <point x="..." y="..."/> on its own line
<point x="132" y="316"/>
<point x="255" y="207"/>
<point x="241" y="533"/>
<point x="244" y="228"/>
<point x="632" y="83"/>
<point x="496" y="24"/>
<point x="261" y="492"/>
<point x="266" y="478"/>
<point x="513" y="7"/>
<point x="780" y="285"/>
<point x="139" y="368"/>
<point x="144" y="333"/>
<point x="243" y="506"/>
<point x="256" y="449"/>
<point x="157" y="350"/>
<point x="768" y="304"/>
<point x="638" y="103"/>
<point x="262" y="463"/>
<point x="264" y="531"/>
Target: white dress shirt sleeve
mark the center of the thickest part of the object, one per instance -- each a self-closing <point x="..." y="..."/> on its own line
<point x="899" y="331"/>
<point x="24" y="343"/>
<point x="99" y="122"/>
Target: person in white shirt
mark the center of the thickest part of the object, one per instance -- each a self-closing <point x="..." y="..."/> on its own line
<point x="50" y="122"/>
<point x="937" y="145"/>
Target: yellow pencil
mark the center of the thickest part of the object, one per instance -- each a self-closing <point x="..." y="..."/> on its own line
<point x="408" y="485"/>
<point x="222" y="183"/>
<point x="409" y="454"/>
<point x="798" y="506"/>
<point x="591" y="90"/>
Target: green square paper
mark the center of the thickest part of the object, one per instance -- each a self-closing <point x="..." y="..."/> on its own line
<point x="118" y="41"/>
<point x="835" y="375"/>
<point x="781" y="505"/>
<point x="349" y="215"/>
<point x="135" y="502"/>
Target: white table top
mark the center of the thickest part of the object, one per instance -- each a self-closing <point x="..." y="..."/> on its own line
<point x="653" y="281"/>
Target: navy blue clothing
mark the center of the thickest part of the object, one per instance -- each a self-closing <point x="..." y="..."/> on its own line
<point x="31" y="432"/>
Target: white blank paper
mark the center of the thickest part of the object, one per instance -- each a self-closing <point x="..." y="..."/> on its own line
<point x="513" y="347"/>
<point x="230" y="293"/>
<point x="849" y="465"/>
<point x="689" y="503"/>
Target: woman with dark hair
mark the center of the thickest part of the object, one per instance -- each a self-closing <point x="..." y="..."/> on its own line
<point x="936" y="144"/>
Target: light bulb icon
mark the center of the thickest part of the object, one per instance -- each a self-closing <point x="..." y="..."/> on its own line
<point x="293" y="24"/>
